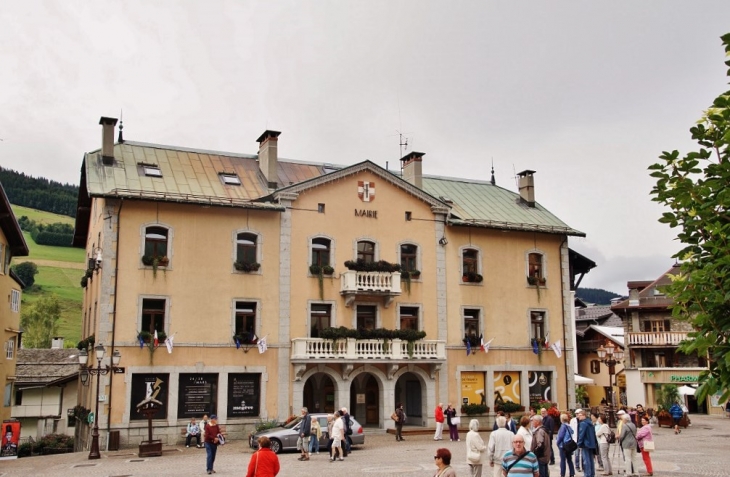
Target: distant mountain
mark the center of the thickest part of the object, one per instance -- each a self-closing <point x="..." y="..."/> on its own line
<point x="39" y="193"/>
<point x="596" y="295"/>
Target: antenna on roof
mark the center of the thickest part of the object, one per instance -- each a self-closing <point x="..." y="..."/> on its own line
<point x="120" y="139"/>
<point x="514" y="174"/>
<point x="403" y="146"/>
<point x="494" y="182"/>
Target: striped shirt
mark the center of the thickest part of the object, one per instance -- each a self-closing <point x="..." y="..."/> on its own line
<point x="526" y="466"/>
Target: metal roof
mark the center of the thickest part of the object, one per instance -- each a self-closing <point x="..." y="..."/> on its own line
<point x="481" y="204"/>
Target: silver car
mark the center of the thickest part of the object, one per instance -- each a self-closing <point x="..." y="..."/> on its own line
<point x="285" y="437"/>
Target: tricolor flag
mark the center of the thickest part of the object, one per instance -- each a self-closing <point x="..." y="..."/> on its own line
<point x="485" y="346"/>
<point x="547" y="341"/>
<point x="168" y="343"/>
<point x="262" y="345"/>
<point x="157" y="340"/>
<point x="557" y="349"/>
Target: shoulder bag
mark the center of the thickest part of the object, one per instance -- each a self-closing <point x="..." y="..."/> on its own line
<point x="638" y="449"/>
<point x="509" y="467"/>
<point x="649" y="446"/>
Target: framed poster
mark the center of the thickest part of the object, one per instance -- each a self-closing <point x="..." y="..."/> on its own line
<point x="244" y="394"/>
<point x="540" y="387"/>
<point x="10" y="439"/>
<point x="472" y="388"/>
<point x="197" y="395"/>
<point x="155" y="385"/>
<point x="507" y="387"/>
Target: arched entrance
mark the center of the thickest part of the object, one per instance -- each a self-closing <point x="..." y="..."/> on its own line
<point x="364" y="403"/>
<point x="319" y="393"/>
<point x="409" y="390"/>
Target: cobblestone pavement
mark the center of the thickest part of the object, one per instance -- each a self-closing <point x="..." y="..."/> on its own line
<point x="700" y="450"/>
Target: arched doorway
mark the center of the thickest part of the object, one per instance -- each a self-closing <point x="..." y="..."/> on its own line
<point x="409" y="390"/>
<point x="364" y="402"/>
<point x="319" y="393"/>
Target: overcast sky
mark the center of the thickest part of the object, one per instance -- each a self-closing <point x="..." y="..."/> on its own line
<point x="586" y="93"/>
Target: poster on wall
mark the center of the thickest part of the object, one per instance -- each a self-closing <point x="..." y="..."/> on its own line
<point x="10" y="439"/>
<point x="540" y="388"/>
<point x="507" y="387"/>
<point x="472" y="388"/>
<point x="198" y="395"/>
<point x="244" y="394"/>
<point x="152" y="385"/>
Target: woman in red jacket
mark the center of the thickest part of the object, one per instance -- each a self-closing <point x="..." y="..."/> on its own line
<point x="264" y="462"/>
<point x="212" y="431"/>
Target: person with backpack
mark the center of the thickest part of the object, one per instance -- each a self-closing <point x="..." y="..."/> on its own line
<point x="565" y="444"/>
<point x="603" y="433"/>
<point x="587" y="442"/>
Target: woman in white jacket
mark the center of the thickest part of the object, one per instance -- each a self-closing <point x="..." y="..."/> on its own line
<point x="525" y="432"/>
<point x="475" y="449"/>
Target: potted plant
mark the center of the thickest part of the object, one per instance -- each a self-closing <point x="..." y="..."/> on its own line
<point x="536" y="281"/>
<point x="510" y="407"/>
<point x="320" y="272"/>
<point x="246" y="267"/>
<point x="155" y="261"/>
<point x="474" y="409"/>
<point x="407" y="275"/>
<point x="84" y="281"/>
<point x="471" y="277"/>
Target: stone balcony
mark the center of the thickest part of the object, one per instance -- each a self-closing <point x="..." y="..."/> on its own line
<point x="656" y="338"/>
<point x="350" y="351"/>
<point x="368" y="284"/>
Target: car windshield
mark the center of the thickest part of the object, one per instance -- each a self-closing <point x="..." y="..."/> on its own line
<point x="293" y="423"/>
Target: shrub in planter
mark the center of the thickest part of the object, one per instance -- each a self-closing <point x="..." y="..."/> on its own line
<point x="536" y="280"/>
<point x="247" y="266"/>
<point x="473" y="409"/>
<point x="472" y="277"/>
<point x="147" y="337"/>
<point x="510" y="407"/>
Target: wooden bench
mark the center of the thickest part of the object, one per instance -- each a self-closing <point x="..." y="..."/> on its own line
<point x="184" y="433"/>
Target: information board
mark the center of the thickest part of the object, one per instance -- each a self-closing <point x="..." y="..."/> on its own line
<point x="244" y="393"/>
<point x="198" y="395"/>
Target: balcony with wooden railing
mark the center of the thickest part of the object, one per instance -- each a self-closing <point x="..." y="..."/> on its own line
<point x="354" y="283"/>
<point x="656" y="338"/>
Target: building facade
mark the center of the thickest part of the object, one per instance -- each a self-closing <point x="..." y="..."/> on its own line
<point x="653" y="337"/>
<point x="12" y="244"/>
<point x="247" y="263"/>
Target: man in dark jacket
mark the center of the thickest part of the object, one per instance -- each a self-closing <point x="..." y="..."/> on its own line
<point x="549" y="424"/>
<point x="347" y="430"/>
<point x="401" y="415"/>
<point x="305" y="431"/>
<point x="587" y="442"/>
<point x="541" y="445"/>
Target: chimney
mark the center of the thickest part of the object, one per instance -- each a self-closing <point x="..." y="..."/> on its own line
<point x="57" y="342"/>
<point x="107" y="140"/>
<point x="413" y="169"/>
<point x="526" y="186"/>
<point x="269" y="156"/>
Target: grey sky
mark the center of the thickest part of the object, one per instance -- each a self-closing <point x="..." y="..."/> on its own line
<point x="588" y="94"/>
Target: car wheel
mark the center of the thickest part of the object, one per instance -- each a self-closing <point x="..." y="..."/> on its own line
<point x="276" y="446"/>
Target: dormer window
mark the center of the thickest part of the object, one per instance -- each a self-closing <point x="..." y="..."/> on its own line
<point x="150" y="170"/>
<point x="230" y="178"/>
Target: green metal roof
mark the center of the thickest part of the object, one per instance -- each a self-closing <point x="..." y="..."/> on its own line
<point x="481" y="204"/>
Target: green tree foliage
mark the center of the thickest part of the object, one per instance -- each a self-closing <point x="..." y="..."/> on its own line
<point x="39" y="193"/>
<point x="58" y="234"/>
<point x="696" y="190"/>
<point x="40" y="322"/>
<point x="596" y="295"/>
<point x="26" y="271"/>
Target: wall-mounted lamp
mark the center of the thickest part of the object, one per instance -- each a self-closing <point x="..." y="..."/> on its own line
<point x="443" y="241"/>
<point x="84" y="375"/>
<point x="96" y="254"/>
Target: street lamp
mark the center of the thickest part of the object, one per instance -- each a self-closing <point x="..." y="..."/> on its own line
<point x="98" y="371"/>
<point x="610" y="355"/>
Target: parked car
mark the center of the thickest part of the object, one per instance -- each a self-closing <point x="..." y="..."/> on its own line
<point x="284" y="438"/>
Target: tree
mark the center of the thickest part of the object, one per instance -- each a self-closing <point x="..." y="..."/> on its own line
<point x="40" y="322"/>
<point x="26" y="271"/>
<point x="696" y="190"/>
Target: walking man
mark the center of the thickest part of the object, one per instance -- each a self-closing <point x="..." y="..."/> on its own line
<point x="347" y="440"/>
<point x="439" y="416"/>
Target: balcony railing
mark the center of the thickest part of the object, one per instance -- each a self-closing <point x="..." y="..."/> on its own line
<point x="387" y="282"/>
<point x="352" y="349"/>
<point x="656" y="338"/>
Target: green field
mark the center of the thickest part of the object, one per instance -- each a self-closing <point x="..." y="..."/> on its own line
<point x="59" y="280"/>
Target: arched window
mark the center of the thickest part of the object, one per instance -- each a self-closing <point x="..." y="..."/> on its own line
<point x="155" y="242"/>
<point x="246" y="248"/>
<point x="408" y="257"/>
<point x="321" y="251"/>
<point x="366" y="251"/>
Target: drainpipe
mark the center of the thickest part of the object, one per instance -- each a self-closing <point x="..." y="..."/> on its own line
<point x="567" y="369"/>
<point x="114" y="322"/>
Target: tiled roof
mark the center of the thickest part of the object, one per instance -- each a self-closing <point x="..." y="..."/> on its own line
<point x="651" y="296"/>
<point x="593" y="313"/>
<point x="193" y="176"/>
<point x="44" y="366"/>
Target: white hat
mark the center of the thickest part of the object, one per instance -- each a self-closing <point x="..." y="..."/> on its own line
<point x="578" y="410"/>
<point x="621" y="413"/>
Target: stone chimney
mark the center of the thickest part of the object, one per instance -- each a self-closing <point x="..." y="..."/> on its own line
<point x="107" y="140"/>
<point x="57" y="342"/>
<point x="413" y="169"/>
<point x="269" y="156"/>
<point x="526" y="185"/>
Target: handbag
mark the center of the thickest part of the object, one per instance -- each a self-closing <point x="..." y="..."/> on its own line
<point x="455" y="421"/>
<point x="570" y="446"/>
<point x="649" y="446"/>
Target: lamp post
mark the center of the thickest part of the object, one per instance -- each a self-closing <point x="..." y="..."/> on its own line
<point x="98" y="371"/>
<point x="610" y="355"/>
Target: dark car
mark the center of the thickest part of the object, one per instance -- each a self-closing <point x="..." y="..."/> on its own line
<point x="285" y="437"/>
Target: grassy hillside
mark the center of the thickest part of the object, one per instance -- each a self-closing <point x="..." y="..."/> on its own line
<point x="59" y="272"/>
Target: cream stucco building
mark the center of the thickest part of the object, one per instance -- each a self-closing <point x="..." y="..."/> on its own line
<point x="221" y="250"/>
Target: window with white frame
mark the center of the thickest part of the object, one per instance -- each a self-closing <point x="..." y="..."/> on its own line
<point x="408" y="319"/>
<point x="538" y="324"/>
<point x="321" y="248"/>
<point x="535" y="268"/>
<point x="246" y="248"/>
<point x="366" y="251"/>
<point x="471" y="322"/>
<point x="469" y="261"/>
<point x="153" y="315"/>
<point x="320" y="317"/>
<point x="10" y="348"/>
<point x="15" y="301"/>
<point x="245" y="326"/>
<point x="155" y="242"/>
<point x="408" y="257"/>
<point x="230" y="178"/>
